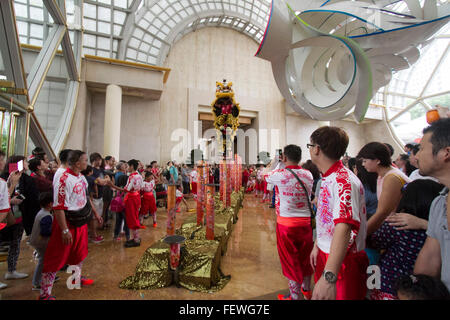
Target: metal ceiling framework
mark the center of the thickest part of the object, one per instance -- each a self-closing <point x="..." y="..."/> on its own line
<point x="144" y="31"/>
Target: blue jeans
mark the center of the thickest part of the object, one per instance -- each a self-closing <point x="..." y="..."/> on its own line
<point x="120" y="216"/>
<point x="273" y="197"/>
<point x="38" y="270"/>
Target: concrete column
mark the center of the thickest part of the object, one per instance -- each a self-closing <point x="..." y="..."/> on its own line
<point x="113" y="115"/>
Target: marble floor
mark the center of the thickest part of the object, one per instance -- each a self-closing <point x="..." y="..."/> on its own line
<point x="251" y="260"/>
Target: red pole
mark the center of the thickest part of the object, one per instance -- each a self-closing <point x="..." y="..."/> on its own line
<point x="228" y="180"/>
<point x="210" y="212"/>
<point x="171" y="209"/>
<point x="200" y="194"/>
<point x="223" y="183"/>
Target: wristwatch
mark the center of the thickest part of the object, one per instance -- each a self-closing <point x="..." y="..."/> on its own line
<point x="65" y="231"/>
<point x="329" y="276"/>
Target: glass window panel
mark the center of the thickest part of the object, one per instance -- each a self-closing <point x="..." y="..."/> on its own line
<point x="90" y="11"/>
<point x="104" y="13"/>
<point x="143" y="23"/>
<point x="36" y="13"/>
<point x="131" y="53"/>
<point x="104" y="27"/>
<point x="165" y="29"/>
<point x="148" y="38"/>
<point x="89" y="51"/>
<point x="171" y="23"/>
<point x="36" y="31"/>
<point x="121" y="3"/>
<point x="176" y="18"/>
<point x="157" y="43"/>
<point x="23" y="39"/>
<point x="151" y="60"/>
<point x="158" y="23"/>
<point x="89" y="40"/>
<point x="163" y="4"/>
<point x="138" y="33"/>
<point x="156" y="10"/>
<point x="163" y="16"/>
<point x="37" y="3"/>
<point x="170" y="11"/>
<point x="119" y="16"/>
<point x="177" y="6"/>
<point x="104" y="54"/>
<point x="115" y="45"/>
<point x="160" y="35"/>
<point x="189" y="10"/>
<point x="134" y="43"/>
<point x="410" y="124"/>
<point x="36" y="42"/>
<point x="105" y="1"/>
<point x="142" y="57"/>
<point x="117" y="30"/>
<point x="441" y="79"/>
<point x="22" y="27"/>
<point x="152" y="30"/>
<point x="154" y="51"/>
<point x="149" y="16"/>
<point x="144" y="47"/>
<point x="21" y="10"/>
<point x="443" y="100"/>
<point x="90" y="24"/>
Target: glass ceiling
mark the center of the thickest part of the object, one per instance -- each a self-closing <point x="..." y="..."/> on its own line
<point x="144" y="30"/>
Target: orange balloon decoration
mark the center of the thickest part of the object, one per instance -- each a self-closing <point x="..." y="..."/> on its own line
<point x="432" y="116"/>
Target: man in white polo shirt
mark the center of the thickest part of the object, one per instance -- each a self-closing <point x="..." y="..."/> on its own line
<point x="294" y="232"/>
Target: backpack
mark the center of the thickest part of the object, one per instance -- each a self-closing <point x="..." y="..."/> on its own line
<point x="117" y="204"/>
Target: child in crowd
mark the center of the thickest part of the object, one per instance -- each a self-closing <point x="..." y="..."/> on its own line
<point x="132" y="202"/>
<point x="193" y="177"/>
<point x="259" y="182"/>
<point x="42" y="229"/>
<point x="266" y="190"/>
<point x="421" y="287"/>
<point x="179" y="198"/>
<point x="117" y="205"/>
<point x="251" y="185"/>
<point x="148" y="198"/>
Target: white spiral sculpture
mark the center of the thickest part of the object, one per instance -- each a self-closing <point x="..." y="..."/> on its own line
<point x="329" y="57"/>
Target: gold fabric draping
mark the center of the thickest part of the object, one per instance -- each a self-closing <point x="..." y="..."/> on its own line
<point x="199" y="268"/>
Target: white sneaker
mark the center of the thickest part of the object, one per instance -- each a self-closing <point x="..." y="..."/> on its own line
<point x="3" y="285"/>
<point x="15" y="275"/>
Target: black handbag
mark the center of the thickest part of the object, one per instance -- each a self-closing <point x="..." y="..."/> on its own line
<point x="313" y="216"/>
<point x="80" y="217"/>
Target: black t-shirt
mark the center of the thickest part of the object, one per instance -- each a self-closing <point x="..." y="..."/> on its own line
<point x="98" y="173"/>
<point x="107" y="191"/>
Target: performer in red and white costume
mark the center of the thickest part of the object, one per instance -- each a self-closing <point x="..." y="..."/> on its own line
<point x="68" y="244"/>
<point x="193" y="177"/>
<point x="6" y="188"/>
<point x="294" y="231"/>
<point x="338" y="256"/>
<point x="148" y="199"/>
<point x="132" y="202"/>
<point x="259" y="181"/>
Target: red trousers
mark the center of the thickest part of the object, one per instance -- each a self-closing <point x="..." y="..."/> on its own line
<point x="57" y="254"/>
<point x="352" y="278"/>
<point x="294" y="244"/>
<point x="148" y="203"/>
<point x="132" y="205"/>
<point x="194" y="187"/>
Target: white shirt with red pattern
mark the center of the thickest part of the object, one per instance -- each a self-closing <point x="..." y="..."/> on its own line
<point x="194" y="175"/>
<point x="69" y="191"/>
<point x="341" y="200"/>
<point x="148" y="186"/>
<point x="4" y="196"/>
<point x="178" y="194"/>
<point x="259" y="174"/>
<point x="290" y="199"/>
<point x="58" y="174"/>
<point x="135" y="182"/>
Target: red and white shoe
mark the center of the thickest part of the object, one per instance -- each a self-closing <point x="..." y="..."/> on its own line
<point x="307" y="294"/>
<point x="154" y="225"/>
<point x="283" y="297"/>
